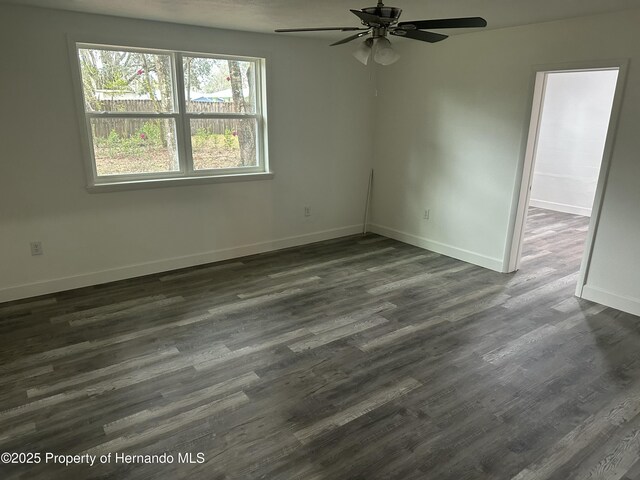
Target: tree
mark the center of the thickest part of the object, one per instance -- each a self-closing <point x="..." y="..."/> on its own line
<point x="245" y="129"/>
<point x="112" y="73"/>
<point x="198" y="74"/>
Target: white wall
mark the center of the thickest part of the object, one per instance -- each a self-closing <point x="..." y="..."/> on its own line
<point x="573" y="129"/>
<point x="320" y="148"/>
<point x="451" y="134"/>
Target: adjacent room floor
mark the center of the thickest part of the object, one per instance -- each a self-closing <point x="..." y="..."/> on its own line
<point x="558" y="237"/>
<point x="358" y="358"/>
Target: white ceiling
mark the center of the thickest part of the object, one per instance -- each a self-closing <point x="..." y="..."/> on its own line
<point x="266" y="15"/>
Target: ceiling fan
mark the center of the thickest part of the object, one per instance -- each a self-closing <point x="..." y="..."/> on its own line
<point x="380" y="21"/>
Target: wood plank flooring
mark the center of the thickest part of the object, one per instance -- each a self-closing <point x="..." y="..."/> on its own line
<point x="356" y="358"/>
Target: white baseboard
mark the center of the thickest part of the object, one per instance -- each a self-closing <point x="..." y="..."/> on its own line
<point x="138" y="270"/>
<point x="560" y="207"/>
<point x="626" y="304"/>
<point x="442" y="248"/>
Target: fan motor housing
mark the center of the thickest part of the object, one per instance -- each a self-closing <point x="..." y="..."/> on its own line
<point x="388" y="15"/>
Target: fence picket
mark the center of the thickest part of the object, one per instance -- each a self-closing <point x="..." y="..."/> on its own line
<point x="128" y="128"/>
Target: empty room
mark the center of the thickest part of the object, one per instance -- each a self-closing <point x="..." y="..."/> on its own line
<point x="320" y="240"/>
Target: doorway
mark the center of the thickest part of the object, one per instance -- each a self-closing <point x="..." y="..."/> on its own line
<point x="576" y="108"/>
<point x="566" y="164"/>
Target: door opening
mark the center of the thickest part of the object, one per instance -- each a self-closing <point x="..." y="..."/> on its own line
<point x="566" y="163"/>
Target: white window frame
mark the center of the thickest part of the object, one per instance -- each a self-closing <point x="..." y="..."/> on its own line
<point x="185" y="174"/>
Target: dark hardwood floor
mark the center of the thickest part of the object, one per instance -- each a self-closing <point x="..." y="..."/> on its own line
<point x="358" y="358"/>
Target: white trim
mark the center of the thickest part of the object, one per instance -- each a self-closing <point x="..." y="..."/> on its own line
<point x="148" y="268"/>
<point x="613" y="300"/>
<point x="598" y="201"/>
<point x="512" y="262"/>
<point x="178" y="181"/>
<point x="560" y="207"/>
<point x="132" y="115"/>
<point x="525" y="176"/>
<point x="182" y="133"/>
<point x="563" y="176"/>
<point x="222" y="116"/>
<point x="437" y="247"/>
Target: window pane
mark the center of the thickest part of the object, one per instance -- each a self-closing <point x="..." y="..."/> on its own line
<point x="126" y="81"/>
<point x="223" y="143"/>
<point x="125" y="146"/>
<point x="219" y="85"/>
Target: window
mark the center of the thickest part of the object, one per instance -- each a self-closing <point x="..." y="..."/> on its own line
<point x="155" y="114"/>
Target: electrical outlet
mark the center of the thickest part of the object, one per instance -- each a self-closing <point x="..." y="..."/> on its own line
<point x="307" y="211"/>
<point x="427" y="214"/>
<point x="36" y="248"/>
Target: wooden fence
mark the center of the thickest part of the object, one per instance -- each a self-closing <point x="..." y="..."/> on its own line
<point x="126" y="127"/>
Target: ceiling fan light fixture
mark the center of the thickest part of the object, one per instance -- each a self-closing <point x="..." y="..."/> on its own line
<point x="380" y="21"/>
<point x="383" y="52"/>
<point x="363" y="52"/>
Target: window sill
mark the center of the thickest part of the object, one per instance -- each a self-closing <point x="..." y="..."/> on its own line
<point x="104" y="187"/>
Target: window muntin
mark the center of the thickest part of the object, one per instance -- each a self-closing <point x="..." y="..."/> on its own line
<point x="166" y="114"/>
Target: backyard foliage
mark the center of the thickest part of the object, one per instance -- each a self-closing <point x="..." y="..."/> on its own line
<point x="129" y="82"/>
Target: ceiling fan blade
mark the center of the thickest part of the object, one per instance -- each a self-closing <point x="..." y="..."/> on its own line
<point x="468" y="22"/>
<point x="349" y="39"/>
<point x="419" y="35"/>
<point x="367" y="17"/>
<point x="321" y="29"/>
